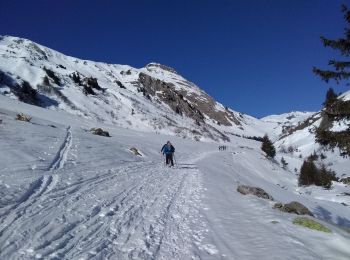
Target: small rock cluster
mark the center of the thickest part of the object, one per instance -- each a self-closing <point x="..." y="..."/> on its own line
<point x="292" y="207"/>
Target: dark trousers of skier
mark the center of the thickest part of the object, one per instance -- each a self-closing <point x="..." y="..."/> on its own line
<point x="169" y="159"/>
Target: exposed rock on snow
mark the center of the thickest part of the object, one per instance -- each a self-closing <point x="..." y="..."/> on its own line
<point x="259" y="192"/>
<point x="188" y="103"/>
<point x="99" y="131"/>
<point x="23" y="117"/>
<point x="293" y="207"/>
<point x="135" y="151"/>
<point x="167" y="93"/>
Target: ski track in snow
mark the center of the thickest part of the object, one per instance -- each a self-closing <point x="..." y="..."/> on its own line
<point x="61" y="155"/>
<point x="37" y="188"/>
<point x="138" y="210"/>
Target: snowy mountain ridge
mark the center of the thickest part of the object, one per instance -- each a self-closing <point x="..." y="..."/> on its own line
<point x="154" y="98"/>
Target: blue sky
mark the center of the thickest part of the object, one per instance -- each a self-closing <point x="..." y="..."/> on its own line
<point x="254" y="56"/>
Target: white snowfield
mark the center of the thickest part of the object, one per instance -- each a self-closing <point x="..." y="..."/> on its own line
<point x="68" y="194"/>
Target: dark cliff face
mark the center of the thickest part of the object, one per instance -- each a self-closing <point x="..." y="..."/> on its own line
<point x="166" y="92"/>
<point x="191" y="104"/>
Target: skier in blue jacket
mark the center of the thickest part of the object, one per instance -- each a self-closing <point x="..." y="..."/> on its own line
<point x="168" y="149"/>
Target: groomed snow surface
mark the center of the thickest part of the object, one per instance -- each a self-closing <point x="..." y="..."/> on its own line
<point x="68" y="194"/>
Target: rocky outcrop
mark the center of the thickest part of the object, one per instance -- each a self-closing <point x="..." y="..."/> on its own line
<point x="259" y="192"/>
<point x="207" y="106"/>
<point x="166" y="92"/>
<point x="190" y="104"/>
<point x="293" y="207"/>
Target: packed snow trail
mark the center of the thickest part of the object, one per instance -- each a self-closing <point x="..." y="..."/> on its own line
<point x="134" y="211"/>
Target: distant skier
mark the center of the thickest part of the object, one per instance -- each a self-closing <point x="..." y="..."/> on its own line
<point x="168" y="149"/>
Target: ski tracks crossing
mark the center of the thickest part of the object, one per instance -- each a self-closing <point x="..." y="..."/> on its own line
<point x="137" y="210"/>
<point x="14" y="213"/>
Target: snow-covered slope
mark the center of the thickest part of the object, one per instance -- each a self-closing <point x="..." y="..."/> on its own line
<point x="298" y="139"/>
<point x="281" y="123"/>
<point x="67" y="194"/>
<point x="154" y="98"/>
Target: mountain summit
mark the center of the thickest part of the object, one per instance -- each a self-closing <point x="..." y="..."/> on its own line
<point x="154" y="98"/>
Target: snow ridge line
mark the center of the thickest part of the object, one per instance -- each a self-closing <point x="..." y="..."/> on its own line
<point x="61" y="156"/>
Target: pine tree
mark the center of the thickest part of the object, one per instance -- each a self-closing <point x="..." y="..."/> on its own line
<point x="331" y="97"/>
<point x="268" y="147"/>
<point x="336" y="109"/>
<point x="310" y="174"/>
<point x="307" y="173"/>
<point x="340" y="69"/>
<point x="325" y="177"/>
<point x="284" y="163"/>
